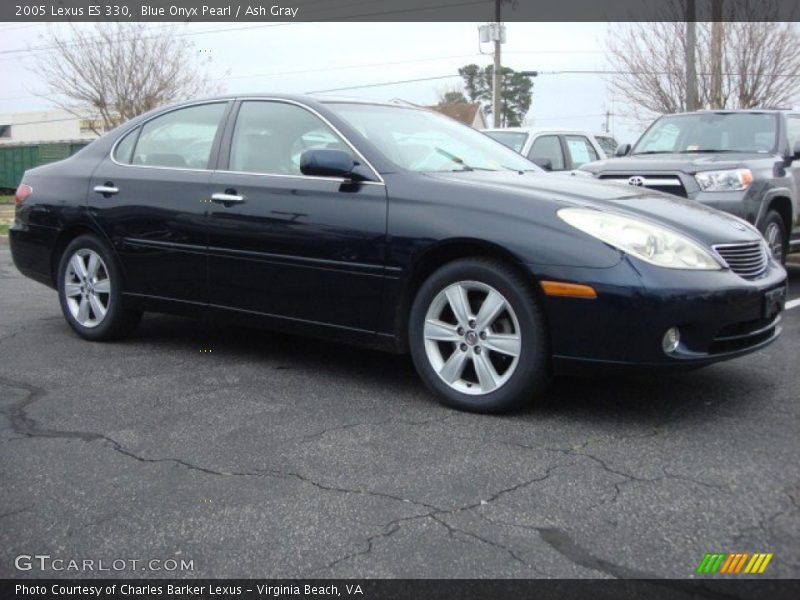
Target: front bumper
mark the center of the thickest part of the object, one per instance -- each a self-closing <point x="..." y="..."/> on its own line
<point x="719" y="314"/>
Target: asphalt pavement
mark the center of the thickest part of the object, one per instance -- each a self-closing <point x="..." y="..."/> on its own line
<point x="247" y="453"/>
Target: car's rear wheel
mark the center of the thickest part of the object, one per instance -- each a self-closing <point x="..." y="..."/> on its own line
<point x="477" y="336"/>
<point x="775" y="234"/>
<point x="90" y="291"/>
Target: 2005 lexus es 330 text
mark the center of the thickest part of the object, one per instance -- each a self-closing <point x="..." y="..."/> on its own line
<point x="396" y="227"/>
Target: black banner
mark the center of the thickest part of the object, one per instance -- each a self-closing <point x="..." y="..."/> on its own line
<point x="390" y="10"/>
<point x="416" y="589"/>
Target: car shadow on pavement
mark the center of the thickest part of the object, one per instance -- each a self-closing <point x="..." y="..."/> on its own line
<point x="619" y="397"/>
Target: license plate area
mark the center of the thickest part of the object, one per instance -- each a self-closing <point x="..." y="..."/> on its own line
<point x="774" y="301"/>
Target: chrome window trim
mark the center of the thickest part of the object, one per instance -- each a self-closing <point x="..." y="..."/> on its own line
<point x="161" y="114"/>
<point x="246" y="99"/>
<point x="324" y="120"/>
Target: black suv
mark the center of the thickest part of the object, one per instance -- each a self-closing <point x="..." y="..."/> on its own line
<point x="745" y="162"/>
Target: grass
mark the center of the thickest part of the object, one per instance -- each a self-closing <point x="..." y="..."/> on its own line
<point x="6" y="217"/>
<point x="6" y="199"/>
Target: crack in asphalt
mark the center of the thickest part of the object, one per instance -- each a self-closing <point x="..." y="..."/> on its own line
<point x="316" y="435"/>
<point x="25" y="426"/>
<point x="556" y="538"/>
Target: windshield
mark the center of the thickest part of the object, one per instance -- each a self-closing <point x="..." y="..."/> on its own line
<point x="710" y="132"/>
<point x="513" y="139"/>
<point x="424" y="141"/>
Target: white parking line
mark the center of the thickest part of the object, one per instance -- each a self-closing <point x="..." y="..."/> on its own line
<point x="792" y="304"/>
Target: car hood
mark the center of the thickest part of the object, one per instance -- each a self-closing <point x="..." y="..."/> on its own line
<point x="685" y="163"/>
<point x="700" y="222"/>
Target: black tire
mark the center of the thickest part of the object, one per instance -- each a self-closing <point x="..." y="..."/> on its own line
<point x="531" y="375"/>
<point x="773" y="225"/>
<point x="118" y="321"/>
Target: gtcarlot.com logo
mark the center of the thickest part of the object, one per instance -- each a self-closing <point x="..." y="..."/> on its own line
<point x="736" y="563"/>
<point x="45" y="562"/>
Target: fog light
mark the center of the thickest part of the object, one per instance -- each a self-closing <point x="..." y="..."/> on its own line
<point x="671" y="340"/>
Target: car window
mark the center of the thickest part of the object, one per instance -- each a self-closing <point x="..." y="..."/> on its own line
<point x="123" y="153"/>
<point x="181" y="138"/>
<point x="513" y="139"/>
<point x="580" y="150"/>
<point x="270" y="137"/>
<point x="793" y="131"/>
<point x="548" y="147"/>
<point x="710" y="132"/>
<point x="607" y="143"/>
<point x="426" y="141"/>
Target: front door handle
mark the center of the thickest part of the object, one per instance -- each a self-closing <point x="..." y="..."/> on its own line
<point x="107" y="189"/>
<point x="227" y="198"/>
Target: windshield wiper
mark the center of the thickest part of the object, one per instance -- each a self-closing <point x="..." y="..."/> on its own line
<point x="455" y="159"/>
<point x="652" y="152"/>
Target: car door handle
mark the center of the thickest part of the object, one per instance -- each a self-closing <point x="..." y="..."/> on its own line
<point x="106" y="189"/>
<point x="226" y="198"/>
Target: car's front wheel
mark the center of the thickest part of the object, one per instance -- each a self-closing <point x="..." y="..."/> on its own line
<point x="90" y="291"/>
<point x="775" y="234"/>
<point x="477" y="336"/>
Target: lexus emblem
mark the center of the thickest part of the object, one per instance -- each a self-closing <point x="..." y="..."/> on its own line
<point x="636" y="180"/>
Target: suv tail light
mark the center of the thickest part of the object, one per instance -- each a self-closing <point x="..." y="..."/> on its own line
<point x="23" y="191"/>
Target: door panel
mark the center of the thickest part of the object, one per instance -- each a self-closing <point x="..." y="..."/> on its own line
<point x="297" y="247"/>
<point x="155" y="214"/>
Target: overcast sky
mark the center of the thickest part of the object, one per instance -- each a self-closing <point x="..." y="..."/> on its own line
<point x="301" y="57"/>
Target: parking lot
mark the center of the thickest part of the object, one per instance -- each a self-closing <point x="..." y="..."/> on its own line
<point x="260" y="455"/>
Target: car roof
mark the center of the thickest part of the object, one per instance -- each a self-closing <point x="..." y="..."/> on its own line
<point x="303" y="98"/>
<point x="553" y="130"/>
<point x="725" y="111"/>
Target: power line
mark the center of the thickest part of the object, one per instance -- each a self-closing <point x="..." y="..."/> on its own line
<point x="382" y="84"/>
<point x="305" y="71"/>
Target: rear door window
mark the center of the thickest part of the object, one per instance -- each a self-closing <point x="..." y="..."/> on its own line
<point x="181" y="139"/>
<point x="580" y="150"/>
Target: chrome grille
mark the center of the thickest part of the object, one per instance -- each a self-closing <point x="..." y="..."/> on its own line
<point x="748" y="259"/>
<point x="661" y="182"/>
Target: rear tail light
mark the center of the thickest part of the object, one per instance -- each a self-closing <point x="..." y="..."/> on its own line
<point x="23" y="191"/>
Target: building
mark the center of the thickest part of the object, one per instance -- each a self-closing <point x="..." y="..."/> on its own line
<point x="470" y="114"/>
<point x="30" y="139"/>
<point x="46" y="126"/>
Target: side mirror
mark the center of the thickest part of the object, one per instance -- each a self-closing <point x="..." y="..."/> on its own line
<point x="796" y="151"/>
<point x="623" y="150"/>
<point x="323" y="162"/>
<point x="544" y="163"/>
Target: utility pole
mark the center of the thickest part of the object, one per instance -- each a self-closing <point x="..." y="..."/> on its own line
<point x="496" y="74"/>
<point x="716" y="54"/>
<point x="691" y="51"/>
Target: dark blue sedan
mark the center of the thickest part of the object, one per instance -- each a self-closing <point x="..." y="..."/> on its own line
<point x="395" y="227"/>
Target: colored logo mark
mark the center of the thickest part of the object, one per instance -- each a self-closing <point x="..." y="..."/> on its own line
<point x="735" y="563"/>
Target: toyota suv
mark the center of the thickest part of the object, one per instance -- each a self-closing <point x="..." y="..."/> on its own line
<point x="745" y="162"/>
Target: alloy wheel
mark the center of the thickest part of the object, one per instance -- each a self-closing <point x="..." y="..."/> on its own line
<point x="472" y="337"/>
<point x="774" y="237"/>
<point x="87" y="287"/>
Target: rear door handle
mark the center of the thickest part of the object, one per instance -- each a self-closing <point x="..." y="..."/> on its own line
<point x="226" y="198"/>
<point x="107" y="189"/>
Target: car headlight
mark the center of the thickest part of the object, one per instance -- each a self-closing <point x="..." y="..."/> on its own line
<point x="653" y="244"/>
<point x="732" y="180"/>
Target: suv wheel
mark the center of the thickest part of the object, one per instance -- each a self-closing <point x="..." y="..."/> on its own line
<point x="90" y="291"/>
<point x="477" y="337"/>
<point x="775" y="234"/>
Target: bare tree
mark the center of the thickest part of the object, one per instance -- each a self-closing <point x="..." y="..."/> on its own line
<point x="116" y="71"/>
<point x="741" y="63"/>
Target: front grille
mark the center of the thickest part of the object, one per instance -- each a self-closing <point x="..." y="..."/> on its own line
<point x="748" y="259"/>
<point x="671" y="184"/>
